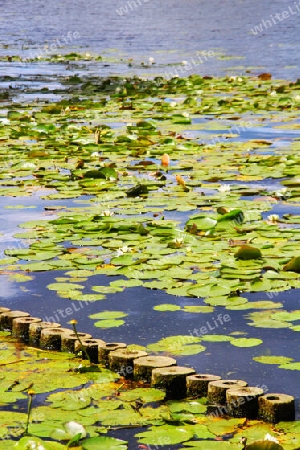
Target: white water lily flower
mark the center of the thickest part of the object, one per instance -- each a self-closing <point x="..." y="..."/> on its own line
<point x="273" y="93"/>
<point x="33" y="445"/>
<point x="178" y="242"/>
<point x="184" y="63"/>
<point x="73" y="428"/>
<point x="5" y="121"/>
<point x="224" y="188"/>
<point x="122" y="250"/>
<point x="173" y="104"/>
<point x="28" y="165"/>
<point x="151" y="60"/>
<point x="297" y="98"/>
<point x="282" y="193"/>
<point x="87" y="55"/>
<point x="186" y="114"/>
<point x="268" y="437"/>
<point x="107" y="213"/>
<point x="95" y="154"/>
<point x="273" y="218"/>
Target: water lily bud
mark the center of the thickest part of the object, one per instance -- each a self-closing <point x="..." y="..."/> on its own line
<point x="165" y="160"/>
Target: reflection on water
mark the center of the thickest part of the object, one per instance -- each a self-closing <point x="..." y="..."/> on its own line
<point x="8" y="290"/>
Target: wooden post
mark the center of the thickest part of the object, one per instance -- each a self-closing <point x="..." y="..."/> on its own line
<point x="122" y="361"/>
<point x="91" y="347"/>
<point x="20" y="328"/>
<point x="51" y="338"/>
<point x="6" y="319"/>
<point x="243" y="401"/>
<point x="276" y="408"/>
<point x="35" y="331"/>
<point x="68" y="341"/>
<point x="172" y="380"/>
<point x="106" y="348"/>
<point x="217" y="390"/>
<point x="143" y="366"/>
<point x="197" y="384"/>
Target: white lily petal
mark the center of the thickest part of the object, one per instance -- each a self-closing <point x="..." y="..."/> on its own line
<point x="74" y="428"/>
<point x="268" y="437"/>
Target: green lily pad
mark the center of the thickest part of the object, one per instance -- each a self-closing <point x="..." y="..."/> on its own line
<point x="32" y="442"/>
<point x="246" y="342"/>
<point x="273" y="359"/>
<point x="167" y="307"/>
<point x="105" y="315"/>
<point x="165" y="435"/>
<point x="178" y="345"/>
<point x="290" y="366"/>
<point x="286" y="316"/>
<point x="109" y="323"/>
<point x="104" y="442"/>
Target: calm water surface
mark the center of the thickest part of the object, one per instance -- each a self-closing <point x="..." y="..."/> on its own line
<point x="169" y="31"/>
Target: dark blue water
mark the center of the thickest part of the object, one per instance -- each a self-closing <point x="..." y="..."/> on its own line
<point x="169" y="31"/>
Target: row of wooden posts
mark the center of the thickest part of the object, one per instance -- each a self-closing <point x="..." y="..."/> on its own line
<point x="226" y="397"/>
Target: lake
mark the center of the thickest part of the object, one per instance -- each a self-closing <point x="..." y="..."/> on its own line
<point x="215" y="38"/>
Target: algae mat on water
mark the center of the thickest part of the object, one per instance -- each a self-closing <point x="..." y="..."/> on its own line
<point x="85" y="404"/>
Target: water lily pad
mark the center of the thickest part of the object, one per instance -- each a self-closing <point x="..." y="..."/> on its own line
<point x="167" y="307"/>
<point x="290" y="366"/>
<point x="273" y="359"/>
<point x="64" y="286"/>
<point x="32" y="442"/>
<point x="109" y="323"/>
<point x="104" y="442"/>
<point x="246" y="342"/>
<point x="178" y="345"/>
<point x="198" y="309"/>
<point x="104" y="315"/>
<point x="286" y="316"/>
<point x="210" y="445"/>
<point x="166" y="434"/>
<point x="216" y="338"/>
